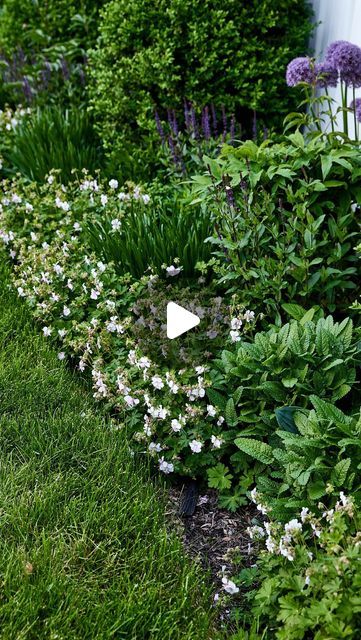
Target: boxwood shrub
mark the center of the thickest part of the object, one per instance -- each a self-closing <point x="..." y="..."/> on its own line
<point x="158" y="52"/>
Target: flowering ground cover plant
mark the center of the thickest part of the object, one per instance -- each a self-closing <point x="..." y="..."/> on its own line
<point x="308" y="576"/>
<point x="85" y="304"/>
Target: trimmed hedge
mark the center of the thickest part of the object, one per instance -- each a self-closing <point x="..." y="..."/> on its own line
<point x="158" y="52"/>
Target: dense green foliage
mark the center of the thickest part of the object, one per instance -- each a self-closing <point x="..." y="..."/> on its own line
<point x="287" y="219"/>
<point x="53" y="138"/>
<point x="306" y="583"/>
<point x="156" y="53"/>
<point x="153" y="235"/>
<point x="82" y="527"/>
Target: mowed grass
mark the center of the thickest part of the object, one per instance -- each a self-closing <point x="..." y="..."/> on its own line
<point x="84" y="552"/>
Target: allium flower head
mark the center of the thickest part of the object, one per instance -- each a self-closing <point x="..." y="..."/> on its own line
<point x="327" y="75"/>
<point x="300" y="70"/>
<point x="356" y="105"/>
<point x="345" y="57"/>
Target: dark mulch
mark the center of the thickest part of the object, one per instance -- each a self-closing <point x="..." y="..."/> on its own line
<point x="213" y="535"/>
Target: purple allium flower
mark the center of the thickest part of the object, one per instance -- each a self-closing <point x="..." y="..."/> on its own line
<point x="346" y="58"/>
<point x="326" y="74"/>
<point x="300" y="70"/>
<point x="205" y="123"/>
<point x="356" y="106"/>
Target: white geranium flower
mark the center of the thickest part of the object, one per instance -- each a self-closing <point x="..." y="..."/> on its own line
<point x="21" y="292"/>
<point x="249" y="316"/>
<point x="113" y="184"/>
<point x="216" y="442"/>
<point x="146" y="198"/>
<point x="229" y="586"/>
<point x="196" y="446"/>
<point x="157" y="382"/>
<point x="130" y="401"/>
<point x="66" y="311"/>
<point x="47" y="331"/>
<point x="173" y="271"/>
<point x="235" y="337"/>
<point x="61" y="355"/>
<point x="211" y="411"/>
<point x="166" y="467"/>
<point x="103" y="199"/>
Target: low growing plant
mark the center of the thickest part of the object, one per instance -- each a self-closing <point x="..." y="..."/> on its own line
<point x="307" y="579"/>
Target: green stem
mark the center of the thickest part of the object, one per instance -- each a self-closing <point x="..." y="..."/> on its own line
<point x="331" y="113"/>
<point x="354" y="113"/>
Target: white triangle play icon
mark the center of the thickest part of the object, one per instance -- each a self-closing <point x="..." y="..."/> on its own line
<point x="179" y="320"/>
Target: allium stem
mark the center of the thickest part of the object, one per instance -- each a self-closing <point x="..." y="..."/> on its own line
<point x="354" y="112"/>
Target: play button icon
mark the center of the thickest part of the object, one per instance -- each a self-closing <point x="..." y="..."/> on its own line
<point x="179" y="320"/>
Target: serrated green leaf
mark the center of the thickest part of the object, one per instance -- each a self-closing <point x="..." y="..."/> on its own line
<point x="256" y="449"/>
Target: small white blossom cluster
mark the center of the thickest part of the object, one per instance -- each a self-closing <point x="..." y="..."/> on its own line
<point x="11" y="118"/>
<point x="283" y="540"/>
<point x="237" y="322"/>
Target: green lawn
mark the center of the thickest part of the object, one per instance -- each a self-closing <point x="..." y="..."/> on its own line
<point x="83" y="548"/>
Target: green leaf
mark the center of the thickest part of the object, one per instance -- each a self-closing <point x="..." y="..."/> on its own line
<point x="289" y="382"/>
<point x="219" y="477"/>
<point x="285" y="418"/>
<point x="294" y="310"/>
<point x="326" y="164"/>
<point x="256" y="449"/>
<point x="231" y="414"/>
<point x="217" y="399"/>
<point x="339" y="473"/>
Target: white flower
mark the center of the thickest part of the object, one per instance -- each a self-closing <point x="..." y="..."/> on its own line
<point x="199" y="370"/>
<point x="28" y="206"/>
<point x="157" y="382"/>
<point x="116" y="224"/>
<point x="143" y="363"/>
<point x="66" y="311"/>
<point x="12" y="254"/>
<point x="293" y="526"/>
<point x="220" y="421"/>
<point x="94" y="294"/>
<point x="211" y="410"/>
<point x="103" y="199"/>
<point x="62" y="333"/>
<point x="33" y="236"/>
<point x="146" y="198"/>
<point x="236" y="324"/>
<point x="47" y="331"/>
<point x="154" y="447"/>
<point x="58" y="269"/>
<point x="256" y="532"/>
<point x="50" y="179"/>
<point x="235" y="337"/>
<point x="196" y="446"/>
<point x="15" y="198"/>
<point x="76" y="226"/>
<point x="21" y="292"/>
<point x="113" y="184"/>
<point x="216" y="442"/>
<point x="131" y="402"/>
<point x="61" y="355"/>
<point x="81" y="365"/>
<point x="173" y="271"/>
<point x="304" y="514"/>
<point x="176" y="425"/>
<point x="249" y="316"/>
<point x="229" y="586"/>
<point x="166" y="467"/>
<point x="307" y="580"/>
